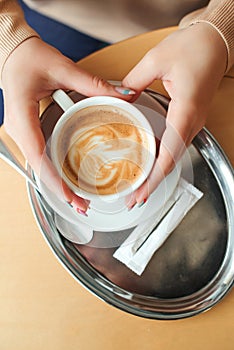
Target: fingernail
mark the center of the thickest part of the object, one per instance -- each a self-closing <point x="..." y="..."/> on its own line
<point x="87" y="201"/>
<point x="82" y="212"/>
<point x="132" y="206"/>
<point x="124" y="91"/>
<point x="142" y="203"/>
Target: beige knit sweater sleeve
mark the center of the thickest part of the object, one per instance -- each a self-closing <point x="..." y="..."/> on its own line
<point x="220" y="14"/>
<point x="14" y="30"/>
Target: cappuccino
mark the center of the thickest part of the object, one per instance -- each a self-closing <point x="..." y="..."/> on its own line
<point x="103" y="149"/>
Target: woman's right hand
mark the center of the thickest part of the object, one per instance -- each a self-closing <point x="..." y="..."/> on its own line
<point x="32" y="72"/>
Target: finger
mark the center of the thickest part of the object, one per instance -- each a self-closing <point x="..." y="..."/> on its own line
<point x="48" y="174"/>
<point x="71" y="77"/>
<point x="145" y="72"/>
<point x="23" y="126"/>
<point x="180" y="130"/>
<point x="130" y="200"/>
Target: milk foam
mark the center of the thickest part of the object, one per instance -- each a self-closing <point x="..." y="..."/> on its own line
<point x="104" y="150"/>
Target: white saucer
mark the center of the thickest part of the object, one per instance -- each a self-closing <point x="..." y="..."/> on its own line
<point x="123" y="219"/>
<point x="119" y="220"/>
<point x="79" y="233"/>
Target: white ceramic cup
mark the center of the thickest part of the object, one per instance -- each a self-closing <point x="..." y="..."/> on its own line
<point x="101" y="202"/>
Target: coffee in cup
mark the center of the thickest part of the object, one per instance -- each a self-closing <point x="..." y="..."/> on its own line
<point x="102" y="146"/>
<point x="103" y="149"/>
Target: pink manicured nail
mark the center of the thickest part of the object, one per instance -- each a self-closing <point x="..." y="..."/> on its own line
<point x="82" y="212"/>
<point x="124" y="91"/>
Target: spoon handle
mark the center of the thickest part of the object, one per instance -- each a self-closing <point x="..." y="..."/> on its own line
<point x="9" y="158"/>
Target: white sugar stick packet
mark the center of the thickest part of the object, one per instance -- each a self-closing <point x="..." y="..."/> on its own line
<point x="137" y="250"/>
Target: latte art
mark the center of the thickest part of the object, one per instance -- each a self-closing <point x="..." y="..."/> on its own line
<point x="104" y="151"/>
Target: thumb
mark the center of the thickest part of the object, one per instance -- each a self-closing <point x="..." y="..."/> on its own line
<point x="72" y="77"/>
<point x="145" y="72"/>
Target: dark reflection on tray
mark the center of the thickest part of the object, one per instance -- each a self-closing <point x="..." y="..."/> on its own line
<point x="186" y="262"/>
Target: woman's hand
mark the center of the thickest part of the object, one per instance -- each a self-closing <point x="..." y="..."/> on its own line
<point x="191" y="63"/>
<point x="33" y="71"/>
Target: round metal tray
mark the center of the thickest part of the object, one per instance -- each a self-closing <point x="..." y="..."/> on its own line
<point x="189" y="274"/>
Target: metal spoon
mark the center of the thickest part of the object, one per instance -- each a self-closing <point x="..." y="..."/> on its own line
<point x="9" y="158"/>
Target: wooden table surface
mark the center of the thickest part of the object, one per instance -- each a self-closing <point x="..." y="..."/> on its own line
<point x="43" y="307"/>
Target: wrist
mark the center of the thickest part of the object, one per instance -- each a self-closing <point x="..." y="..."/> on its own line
<point x="214" y="42"/>
<point x="216" y="39"/>
<point x="19" y="47"/>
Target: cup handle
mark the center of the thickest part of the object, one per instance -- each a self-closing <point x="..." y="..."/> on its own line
<point x="62" y="99"/>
